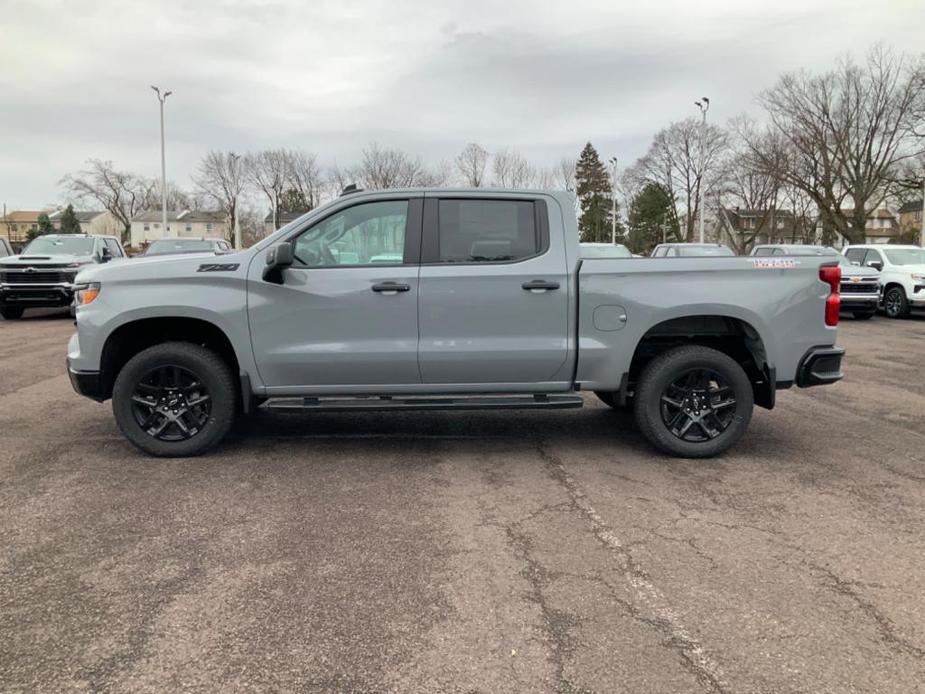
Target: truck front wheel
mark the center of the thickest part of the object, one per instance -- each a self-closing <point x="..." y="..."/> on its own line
<point x="693" y="402"/>
<point x="895" y="303"/>
<point x="174" y="399"/>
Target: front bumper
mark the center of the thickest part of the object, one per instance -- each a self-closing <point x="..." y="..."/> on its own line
<point x="86" y="383"/>
<point x="820" y="366"/>
<point x="36" y="295"/>
<point x="861" y="301"/>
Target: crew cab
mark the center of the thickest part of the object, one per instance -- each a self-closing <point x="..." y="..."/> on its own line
<point x="448" y="299"/>
<point x="860" y="286"/>
<point x="902" y="274"/>
<point x="43" y="275"/>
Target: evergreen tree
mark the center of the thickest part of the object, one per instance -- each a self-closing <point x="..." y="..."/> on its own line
<point x="69" y="222"/>
<point x="652" y="218"/>
<point x="594" y="191"/>
<point x="44" y="227"/>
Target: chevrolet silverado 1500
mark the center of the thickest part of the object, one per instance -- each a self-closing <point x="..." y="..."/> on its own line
<point x="448" y="299"/>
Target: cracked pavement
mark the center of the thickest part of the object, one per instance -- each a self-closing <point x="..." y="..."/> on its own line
<point x="467" y="552"/>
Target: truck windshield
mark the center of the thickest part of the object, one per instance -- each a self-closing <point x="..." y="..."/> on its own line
<point x="60" y="245"/>
<point x="906" y="256"/>
<point x="169" y="246"/>
<point x="693" y="251"/>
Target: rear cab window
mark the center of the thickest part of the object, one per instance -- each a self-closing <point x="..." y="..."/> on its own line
<point x="483" y="230"/>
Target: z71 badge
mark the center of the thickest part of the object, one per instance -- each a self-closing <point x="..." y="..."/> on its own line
<point x="218" y="267"/>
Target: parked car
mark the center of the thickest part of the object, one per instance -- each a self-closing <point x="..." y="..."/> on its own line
<point x="175" y="246"/>
<point x="604" y="250"/>
<point x="43" y="275"/>
<point x="488" y="304"/>
<point x="902" y="275"/>
<point x="6" y="250"/>
<point x="860" y="286"/>
<point x="690" y="250"/>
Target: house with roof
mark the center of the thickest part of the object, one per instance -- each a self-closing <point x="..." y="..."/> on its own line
<point x="282" y="219"/>
<point x="910" y="218"/>
<point x="16" y="225"/>
<point x="881" y="227"/>
<point x="91" y="222"/>
<point x="764" y="226"/>
<point x="196" y="224"/>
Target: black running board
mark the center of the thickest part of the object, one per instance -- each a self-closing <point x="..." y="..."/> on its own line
<point x="485" y="402"/>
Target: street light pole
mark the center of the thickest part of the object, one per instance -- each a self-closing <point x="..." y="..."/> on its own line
<point x="613" y="198"/>
<point x="234" y="173"/>
<point x="162" y="98"/>
<point x="704" y="106"/>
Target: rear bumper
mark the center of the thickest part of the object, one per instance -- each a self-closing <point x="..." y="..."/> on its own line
<point x="86" y="383"/>
<point x="820" y="366"/>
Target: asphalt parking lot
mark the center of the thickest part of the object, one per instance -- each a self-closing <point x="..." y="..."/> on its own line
<point x="459" y="552"/>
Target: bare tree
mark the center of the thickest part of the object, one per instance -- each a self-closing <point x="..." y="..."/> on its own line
<point x="846" y="132"/>
<point x="470" y="164"/>
<point x="222" y="178"/>
<point x="389" y="168"/>
<point x="564" y="174"/>
<point x="511" y="170"/>
<point x="121" y="193"/>
<point x="675" y="162"/>
<point x="268" y="171"/>
<point x="305" y="177"/>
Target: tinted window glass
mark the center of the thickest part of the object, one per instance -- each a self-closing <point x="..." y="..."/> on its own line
<point x="763" y="251"/>
<point x="114" y="249"/>
<point x="856" y="254"/>
<point x="367" y="234"/>
<point x="60" y="245"/>
<point x="873" y="256"/>
<point x="480" y="231"/>
<point x="697" y="251"/>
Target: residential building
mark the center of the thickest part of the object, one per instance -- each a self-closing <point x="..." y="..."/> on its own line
<point x="910" y="219"/>
<point x="282" y="219"/>
<point x="15" y="226"/>
<point x="91" y="222"/>
<point x="148" y="226"/>
<point x="765" y="226"/>
<point x="881" y="227"/>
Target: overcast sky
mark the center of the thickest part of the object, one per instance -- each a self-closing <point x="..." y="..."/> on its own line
<point x="426" y="76"/>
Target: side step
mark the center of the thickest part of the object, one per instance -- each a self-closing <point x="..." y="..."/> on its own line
<point x="481" y="402"/>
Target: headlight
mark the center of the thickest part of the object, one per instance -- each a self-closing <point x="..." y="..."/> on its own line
<point x="917" y="277"/>
<point x="87" y="293"/>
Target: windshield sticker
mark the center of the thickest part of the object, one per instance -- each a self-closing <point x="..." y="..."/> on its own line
<point x="774" y="263"/>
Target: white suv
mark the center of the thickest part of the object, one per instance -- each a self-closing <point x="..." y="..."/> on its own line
<point x="902" y="275"/>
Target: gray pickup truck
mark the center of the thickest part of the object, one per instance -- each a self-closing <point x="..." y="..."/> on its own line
<point x="448" y="299"/>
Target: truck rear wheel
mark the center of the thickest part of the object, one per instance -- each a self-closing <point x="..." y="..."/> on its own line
<point x="11" y="312"/>
<point x="174" y="399"/>
<point x="693" y="402"/>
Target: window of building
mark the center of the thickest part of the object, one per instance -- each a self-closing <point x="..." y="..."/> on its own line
<point x="189" y="227"/>
<point x="208" y="226"/>
<point x="147" y="227"/>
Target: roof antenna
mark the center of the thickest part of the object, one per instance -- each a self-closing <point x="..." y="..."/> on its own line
<point x="352" y="188"/>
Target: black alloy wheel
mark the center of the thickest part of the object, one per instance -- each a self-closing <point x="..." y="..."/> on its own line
<point x="698" y="406"/>
<point x="171" y="403"/>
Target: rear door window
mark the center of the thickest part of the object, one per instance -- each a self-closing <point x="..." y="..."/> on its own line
<point x="487" y="231"/>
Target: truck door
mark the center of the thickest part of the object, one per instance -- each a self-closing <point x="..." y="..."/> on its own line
<point x="346" y="313"/>
<point x="494" y="292"/>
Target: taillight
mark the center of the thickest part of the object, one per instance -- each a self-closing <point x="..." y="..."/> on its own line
<point x="831" y="275"/>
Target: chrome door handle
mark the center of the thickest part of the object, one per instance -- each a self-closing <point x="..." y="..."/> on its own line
<point x="391" y="287"/>
<point x="539" y="284"/>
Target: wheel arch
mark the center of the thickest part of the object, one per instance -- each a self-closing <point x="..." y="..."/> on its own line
<point x="131" y="337"/>
<point x="733" y="336"/>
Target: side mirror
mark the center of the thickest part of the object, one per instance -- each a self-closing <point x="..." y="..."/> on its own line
<point x="279" y="257"/>
<point x="105" y="255"/>
<point x="875" y="264"/>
